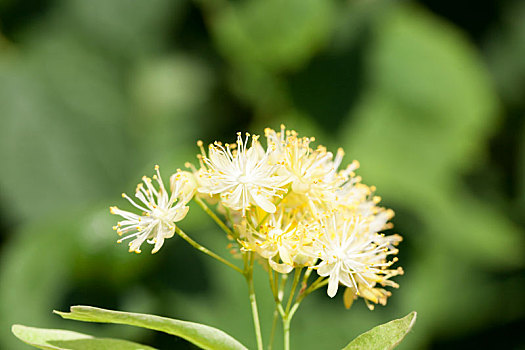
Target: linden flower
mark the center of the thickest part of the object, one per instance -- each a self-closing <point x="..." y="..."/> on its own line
<point x="371" y="292"/>
<point x="185" y="182"/>
<point x="353" y="193"/>
<point x="160" y="211"/>
<point x="358" y="199"/>
<point x="280" y="238"/>
<point x="312" y="172"/>
<point x="351" y="256"/>
<point x="243" y="177"/>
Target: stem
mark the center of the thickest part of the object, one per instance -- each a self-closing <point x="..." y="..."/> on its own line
<point x="280" y="291"/>
<point x="296" y="278"/>
<point x="304" y="283"/>
<point x="229" y="215"/>
<point x="273" y="284"/>
<point x="286" y="330"/>
<point x="302" y="296"/>
<point x="215" y="218"/>
<point x="255" y="314"/>
<point x="253" y="302"/>
<point x="276" y="281"/>
<point x="277" y="292"/>
<point x="274" y="326"/>
<point x="316" y="285"/>
<point x="290" y="310"/>
<point x="205" y="250"/>
<point x="294" y="308"/>
<point x="245" y="257"/>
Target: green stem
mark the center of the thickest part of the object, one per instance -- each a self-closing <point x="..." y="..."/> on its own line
<point x="276" y="281"/>
<point x="290" y="310"/>
<point x="273" y="283"/>
<point x="229" y="215"/>
<point x="205" y="250"/>
<point x="320" y="282"/>
<point x="246" y="260"/>
<point x="277" y="291"/>
<point x="255" y="314"/>
<point x="277" y="295"/>
<point x="304" y="283"/>
<point x="315" y="283"/>
<point x="315" y="286"/>
<point x="280" y="291"/>
<point x="296" y="278"/>
<point x="274" y="326"/>
<point x="215" y="218"/>
<point x="253" y="301"/>
<point x="286" y="330"/>
<point x="294" y="308"/>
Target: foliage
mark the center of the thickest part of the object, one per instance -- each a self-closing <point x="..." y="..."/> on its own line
<point x="203" y="336"/>
<point x="49" y="339"/>
<point x="386" y="336"/>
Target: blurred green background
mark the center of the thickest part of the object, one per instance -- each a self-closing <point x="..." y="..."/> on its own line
<point x="428" y="95"/>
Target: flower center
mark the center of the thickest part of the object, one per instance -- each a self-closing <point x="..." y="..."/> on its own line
<point x="158" y="213"/>
<point x="339" y="254"/>
<point x="243" y="179"/>
<point x="275" y="234"/>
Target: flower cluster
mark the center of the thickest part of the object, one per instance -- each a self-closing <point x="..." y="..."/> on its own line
<point x="291" y="204"/>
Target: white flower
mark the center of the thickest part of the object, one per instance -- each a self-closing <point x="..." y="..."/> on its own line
<point x="351" y="256"/>
<point x="160" y="211"/>
<point x="243" y="176"/>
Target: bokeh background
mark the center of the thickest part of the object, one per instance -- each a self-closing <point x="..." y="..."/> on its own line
<point x="428" y="95"/>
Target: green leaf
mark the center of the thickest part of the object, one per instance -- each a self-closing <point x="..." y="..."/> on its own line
<point x="201" y="335"/>
<point x="61" y="339"/>
<point x="130" y="28"/>
<point x="298" y="29"/>
<point x="385" y="336"/>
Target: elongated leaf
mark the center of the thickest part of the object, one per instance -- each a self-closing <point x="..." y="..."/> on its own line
<point x="203" y="336"/>
<point x="61" y="339"/>
<point x="385" y="336"/>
